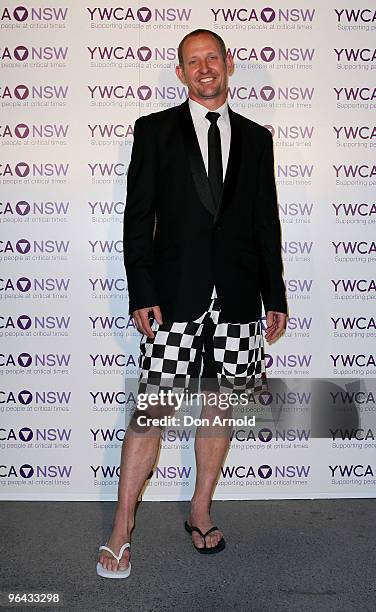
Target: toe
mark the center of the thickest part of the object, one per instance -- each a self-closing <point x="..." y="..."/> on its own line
<point x="102" y="561"/>
<point x="124" y="561"/>
<point x="108" y="563"/>
<point x="111" y="564"/>
<point x="197" y="540"/>
<point x="214" y="538"/>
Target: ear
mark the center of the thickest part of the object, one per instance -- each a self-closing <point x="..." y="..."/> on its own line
<point x="230" y="63"/>
<point x="180" y="74"/>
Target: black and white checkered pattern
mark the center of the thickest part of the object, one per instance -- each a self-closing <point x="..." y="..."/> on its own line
<point x="172" y="358"/>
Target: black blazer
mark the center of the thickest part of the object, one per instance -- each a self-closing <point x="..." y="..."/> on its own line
<point x="176" y="247"/>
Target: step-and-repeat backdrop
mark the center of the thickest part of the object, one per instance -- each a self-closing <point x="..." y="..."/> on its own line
<point x="74" y="78"/>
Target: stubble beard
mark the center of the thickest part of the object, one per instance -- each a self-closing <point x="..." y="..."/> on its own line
<point x="206" y="95"/>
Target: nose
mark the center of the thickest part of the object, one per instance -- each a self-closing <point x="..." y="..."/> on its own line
<point x="204" y="66"/>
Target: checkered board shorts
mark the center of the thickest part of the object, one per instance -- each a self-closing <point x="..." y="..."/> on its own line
<point x="228" y="356"/>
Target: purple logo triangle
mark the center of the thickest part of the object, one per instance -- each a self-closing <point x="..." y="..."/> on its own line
<point x="265" y="398"/>
<point x="267" y="93"/>
<point x="26" y="434"/>
<point x="268" y="14"/>
<point x="23" y="246"/>
<point x="21" y="130"/>
<point x="267" y="54"/>
<point x="144" y="14"/>
<point x="22" y="169"/>
<point x="21" y="92"/>
<point x="265" y="435"/>
<point x="264" y="471"/>
<point x="268" y="360"/>
<point x="144" y="92"/>
<point x="26" y="470"/>
<point x="21" y="53"/>
<point x="25" y="397"/>
<point x="24" y="360"/>
<point x="24" y="322"/>
<point x="20" y="13"/>
<point x="23" y="284"/>
<point x="144" y="54"/>
<point x="22" y="207"/>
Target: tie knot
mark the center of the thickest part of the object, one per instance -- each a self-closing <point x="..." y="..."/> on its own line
<point x="213" y="117"/>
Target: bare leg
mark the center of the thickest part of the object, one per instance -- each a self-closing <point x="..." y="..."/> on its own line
<point x="138" y="455"/>
<point x="211" y="446"/>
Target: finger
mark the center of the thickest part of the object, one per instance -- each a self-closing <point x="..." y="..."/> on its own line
<point x="271" y="325"/>
<point x="141" y="321"/>
<point x="273" y="330"/>
<point x="271" y="336"/>
<point x="281" y="325"/>
<point x="269" y="320"/>
<point x="144" y="315"/>
<point x="279" y="328"/>
<point x="139" y="324"/>
<point x="157" y="315"/>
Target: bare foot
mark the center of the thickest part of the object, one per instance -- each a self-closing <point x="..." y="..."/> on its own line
<point x="202" y="520"/>
<point x="116" y="541"/>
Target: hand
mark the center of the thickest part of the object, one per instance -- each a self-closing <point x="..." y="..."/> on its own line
<point x="141" y="319"/>
<point x="275" y="325"/>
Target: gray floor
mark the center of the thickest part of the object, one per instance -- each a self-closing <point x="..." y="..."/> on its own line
<point x="307" y="555"/>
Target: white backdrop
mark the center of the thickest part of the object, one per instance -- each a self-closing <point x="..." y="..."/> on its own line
<point x="73" y="80"/>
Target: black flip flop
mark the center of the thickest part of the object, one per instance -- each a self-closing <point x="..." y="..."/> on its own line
<point x="205" y="550"/>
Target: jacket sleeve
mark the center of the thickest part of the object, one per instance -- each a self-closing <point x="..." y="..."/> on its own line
<point x="139" y="219"/>
<point x="268" y="234"/>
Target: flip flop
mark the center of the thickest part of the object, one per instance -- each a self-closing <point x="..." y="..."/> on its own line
<point x="205" y="550"/>
<point x="105" y="573"/>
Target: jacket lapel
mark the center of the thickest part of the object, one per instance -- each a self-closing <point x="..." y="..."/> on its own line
<point x="197" y="165"/>
<point x="196" y="162"/>
<point x="233" y="164"/>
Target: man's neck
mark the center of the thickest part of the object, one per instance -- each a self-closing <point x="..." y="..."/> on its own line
<point x="211" y="103"/>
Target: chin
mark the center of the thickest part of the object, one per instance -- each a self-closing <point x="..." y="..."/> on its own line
<point x="209" y="93"/>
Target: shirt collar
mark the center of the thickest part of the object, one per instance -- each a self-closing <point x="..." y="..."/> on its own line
<point x="198" y="111"/>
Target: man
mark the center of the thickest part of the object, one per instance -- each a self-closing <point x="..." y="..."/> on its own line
<point x="202" y="247"/>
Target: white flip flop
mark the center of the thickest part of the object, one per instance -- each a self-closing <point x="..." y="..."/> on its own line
<point x="101" y="571"/>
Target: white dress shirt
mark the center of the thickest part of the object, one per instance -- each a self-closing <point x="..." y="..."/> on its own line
<point x="201" y="124"/>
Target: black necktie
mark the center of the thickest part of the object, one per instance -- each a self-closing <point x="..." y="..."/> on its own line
<point x="215" y="170"/>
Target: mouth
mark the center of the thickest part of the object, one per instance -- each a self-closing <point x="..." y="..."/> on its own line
<point x="206" y="80"/>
